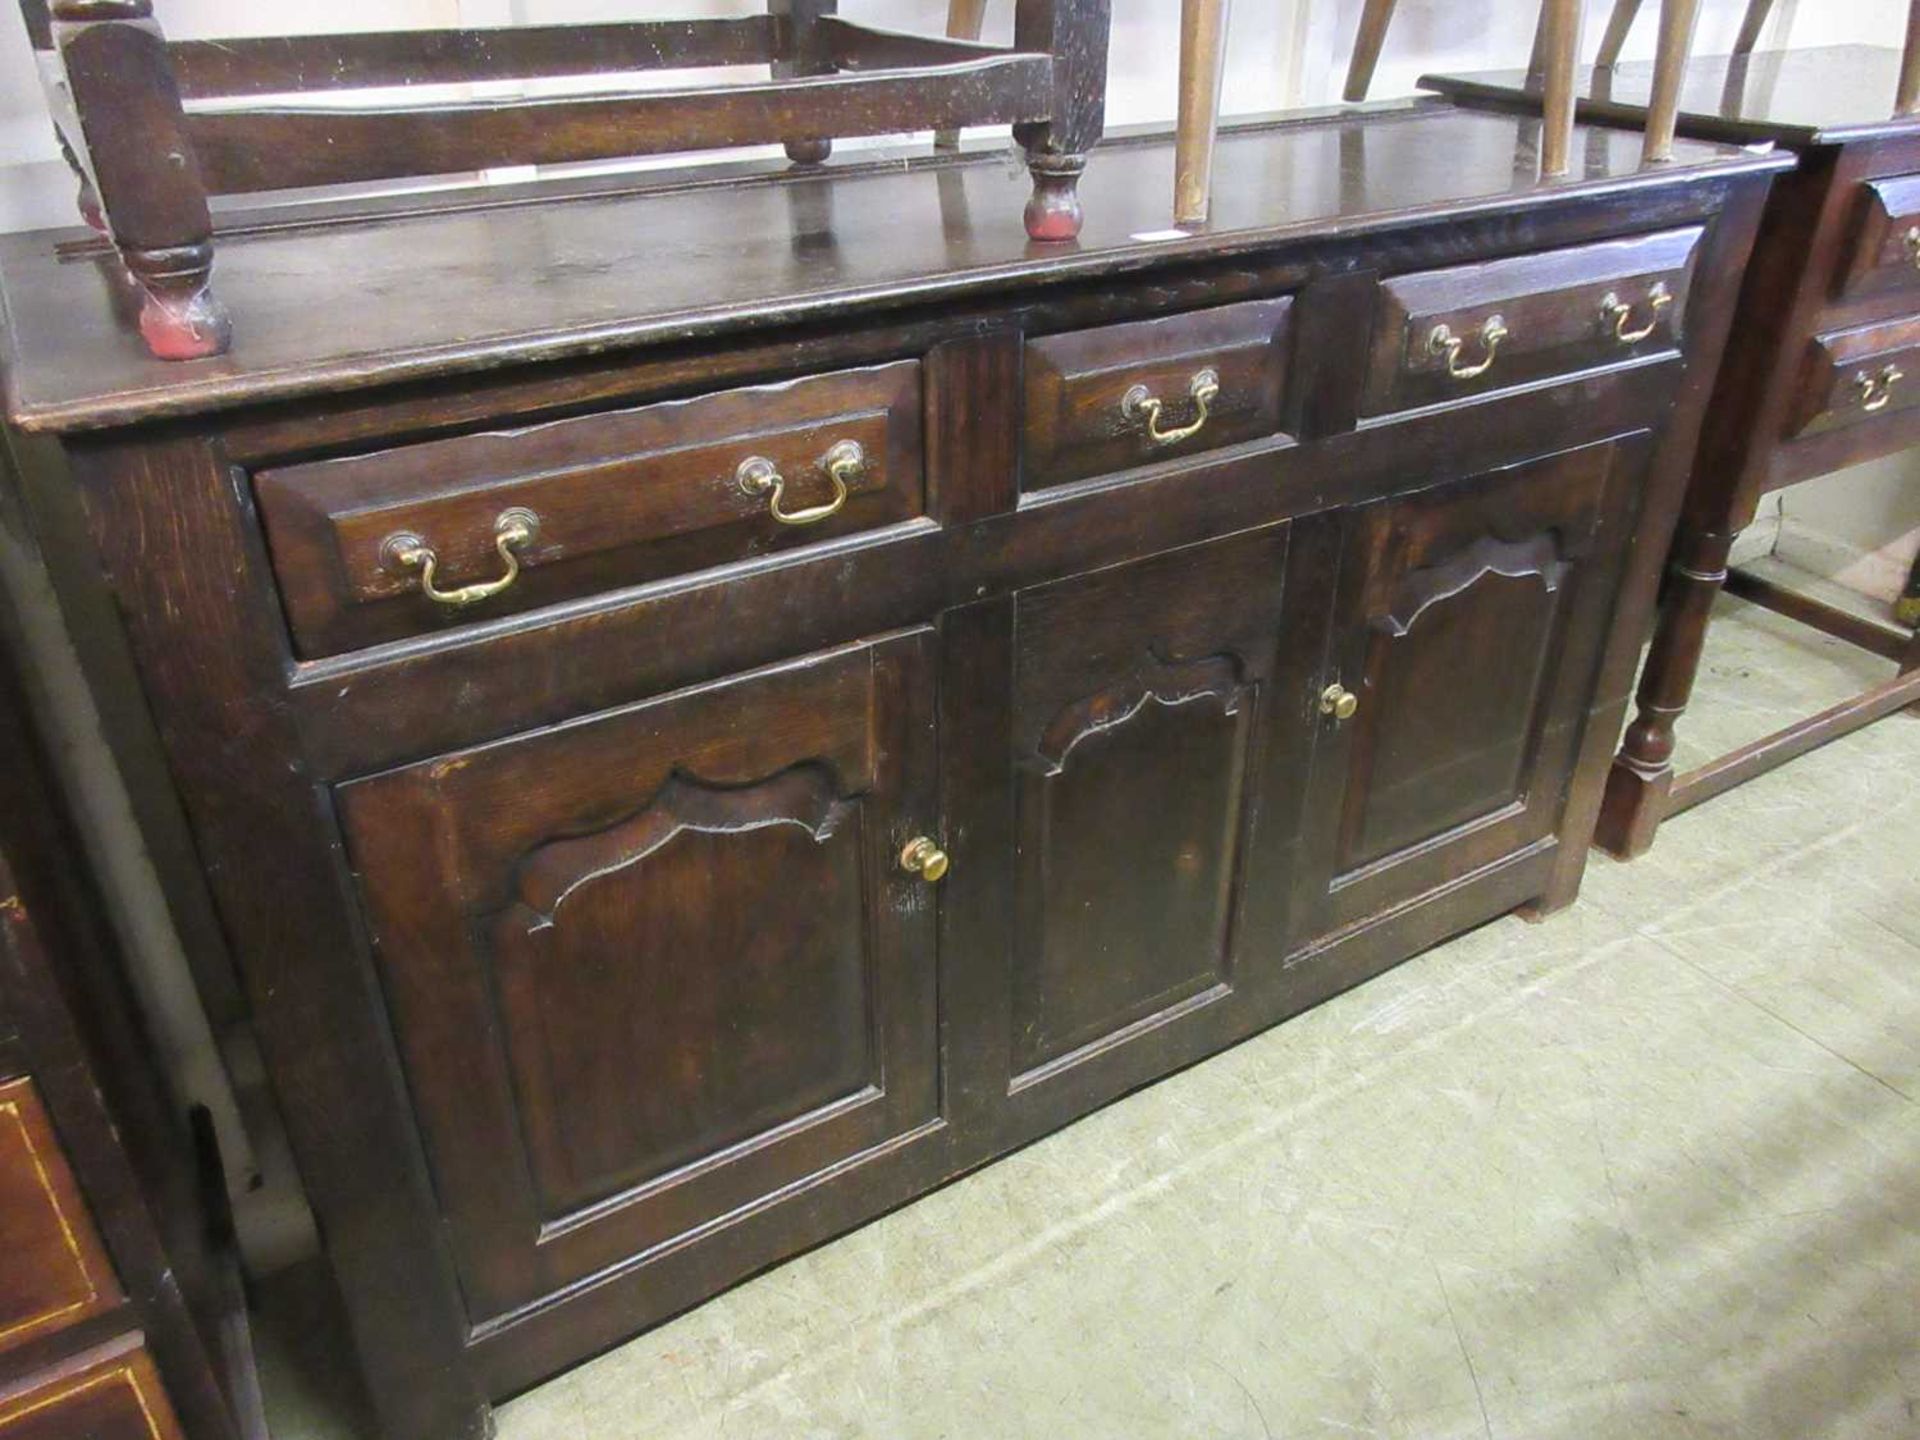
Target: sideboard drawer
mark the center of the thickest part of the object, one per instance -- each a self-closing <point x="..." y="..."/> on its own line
<point x="1441" y="334"/>
<point x="54" y="1272"/>
<point x="1857" y="375"/>
<point x="517" y="518"/>
<point x="118" y="1396"/>
<point x="1885" y="254"/>
<point x="1126" y="395"/>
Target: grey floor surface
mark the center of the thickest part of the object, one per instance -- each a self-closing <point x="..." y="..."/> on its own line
<point x="1649" y="1170"/>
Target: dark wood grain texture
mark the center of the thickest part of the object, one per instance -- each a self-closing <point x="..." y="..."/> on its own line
<point x="614" y="908"/>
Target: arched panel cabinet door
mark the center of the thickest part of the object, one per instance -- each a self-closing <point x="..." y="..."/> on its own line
<point x="1471" y="617"/>
<point x="664" y="993"/>
<point x="1127" y="764"/>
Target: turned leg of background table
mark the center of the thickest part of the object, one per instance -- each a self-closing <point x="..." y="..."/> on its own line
<point x="1619" y="26"/>
<point x="1677" y="20"/>
<point x="1375" y="19"/>
<point x="1559" y="50"/>
<point x="1203" y="53"/>
<point x="1642" y="775"/>
<point x="1075" y="33"/>
<point x="965" y="20"/>
<point x="1908" y="100"/>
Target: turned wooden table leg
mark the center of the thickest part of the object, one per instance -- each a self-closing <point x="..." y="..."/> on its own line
<point x="1642" y="775"/>
<point x="965" y="20"/>
<point x="1075" y="33"/>
<point x="143" y="165"/>
<point x="1751" y="24"/>
<point x="1614" y="40"/>
<point x="1203" y="53"/>
<point x="1677" y="20"/>
<point x="1375" y="20"/>
<point x="1908" y="100"/>
<point x="807" y="57"/>
<point x="1559" y="51"/>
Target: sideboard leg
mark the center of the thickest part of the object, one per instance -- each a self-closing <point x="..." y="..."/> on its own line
<point x="1075" y="33"/>
<point x="134" y="133"/>
<point x="1642" y="775"/>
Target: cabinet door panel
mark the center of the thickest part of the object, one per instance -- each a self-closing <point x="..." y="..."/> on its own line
<point x="1132" y="734"/>
<point x="654" y="968"/>
<point x="1470" y="620"/>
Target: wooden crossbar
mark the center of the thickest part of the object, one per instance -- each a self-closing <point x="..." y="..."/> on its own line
<point x="270" y="148"/>
<point x="851" y="46"/>
<point x="285" y="64"/>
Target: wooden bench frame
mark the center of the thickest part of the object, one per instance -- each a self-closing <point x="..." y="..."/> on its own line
<point x="148" y="158"/>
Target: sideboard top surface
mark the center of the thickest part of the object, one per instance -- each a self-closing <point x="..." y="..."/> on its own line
<point x="337" y="304"/>
<point x="1822" y="95"/>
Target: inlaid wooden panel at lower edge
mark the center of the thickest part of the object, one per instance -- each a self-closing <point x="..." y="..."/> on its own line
<point x="113" y="1394"/>
<point x="54" y="1272"/>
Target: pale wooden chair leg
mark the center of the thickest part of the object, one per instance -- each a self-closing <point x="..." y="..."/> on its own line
<point x="1203" y="53"/>
<point x="1909" y="98"/>
<point x="1755" y="20"/>
<point x="1560" y="27"/>
<point x="1677" y="18"/>
<point x="1374" y="20"/>
<point x="1619" y="26"/>
<point x="965" y="20"/>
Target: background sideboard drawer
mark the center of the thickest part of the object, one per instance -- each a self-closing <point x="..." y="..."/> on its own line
<point x="1857" y="375"/>
<point x="599" y="501"/>
<point x="1471" y="328"/>
<point x="1125" y="395"/>
<point x="1885" y="254"/>
<point x="118" y="1396"/>
<point x="54" y="1272"/>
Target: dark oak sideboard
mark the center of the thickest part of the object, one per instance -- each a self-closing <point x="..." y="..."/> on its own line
<point x="892" y="689"/>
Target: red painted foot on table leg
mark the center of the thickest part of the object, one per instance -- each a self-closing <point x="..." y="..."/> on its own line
<point x="1053" y="213"/>
<point x="179" y="317"/>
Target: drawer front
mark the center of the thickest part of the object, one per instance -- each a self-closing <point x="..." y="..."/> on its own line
<point x="585" y="504"/>
<point x="1856" y="376"/>
<point x="117" y="1397"/>
<point x="1885" y="253"/>
<point x="54" y="1271"/>
<point x="1126" y="395"/>
<point x="1443" y="334"/>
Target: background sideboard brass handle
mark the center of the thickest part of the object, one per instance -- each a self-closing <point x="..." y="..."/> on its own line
<point x="1619" y="312"/>
<point x="1140" y="404"/>
<point x="1339" y="702"/>
<point x="1876" y="391"/>
<point x="924" y="858"/>
<point x="760" y="476"/>
<point x="1913" y="245"/>
<point x="512" y="532"/>
<point x="1444" y="342"/>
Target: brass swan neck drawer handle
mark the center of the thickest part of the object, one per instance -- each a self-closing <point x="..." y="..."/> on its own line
<point x="1613" y="308"/>
<point x="1141" y="406"/>
<point x="760" y="477"/>
<point x="924" y="858"/>
<point x="512" y="532"/>
<point x="1339" y="702"/>
<point x="1912" y="238"/>
<point x="1876" y="391"/>
<point x="1444" y="342"/>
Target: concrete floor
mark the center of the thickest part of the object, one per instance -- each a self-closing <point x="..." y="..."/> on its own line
<point x="1650" y="1170"/>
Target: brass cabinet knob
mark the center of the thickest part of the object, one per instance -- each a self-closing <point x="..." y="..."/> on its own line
<point x="1339" y="702"/>
<point x="924" y="858"/>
